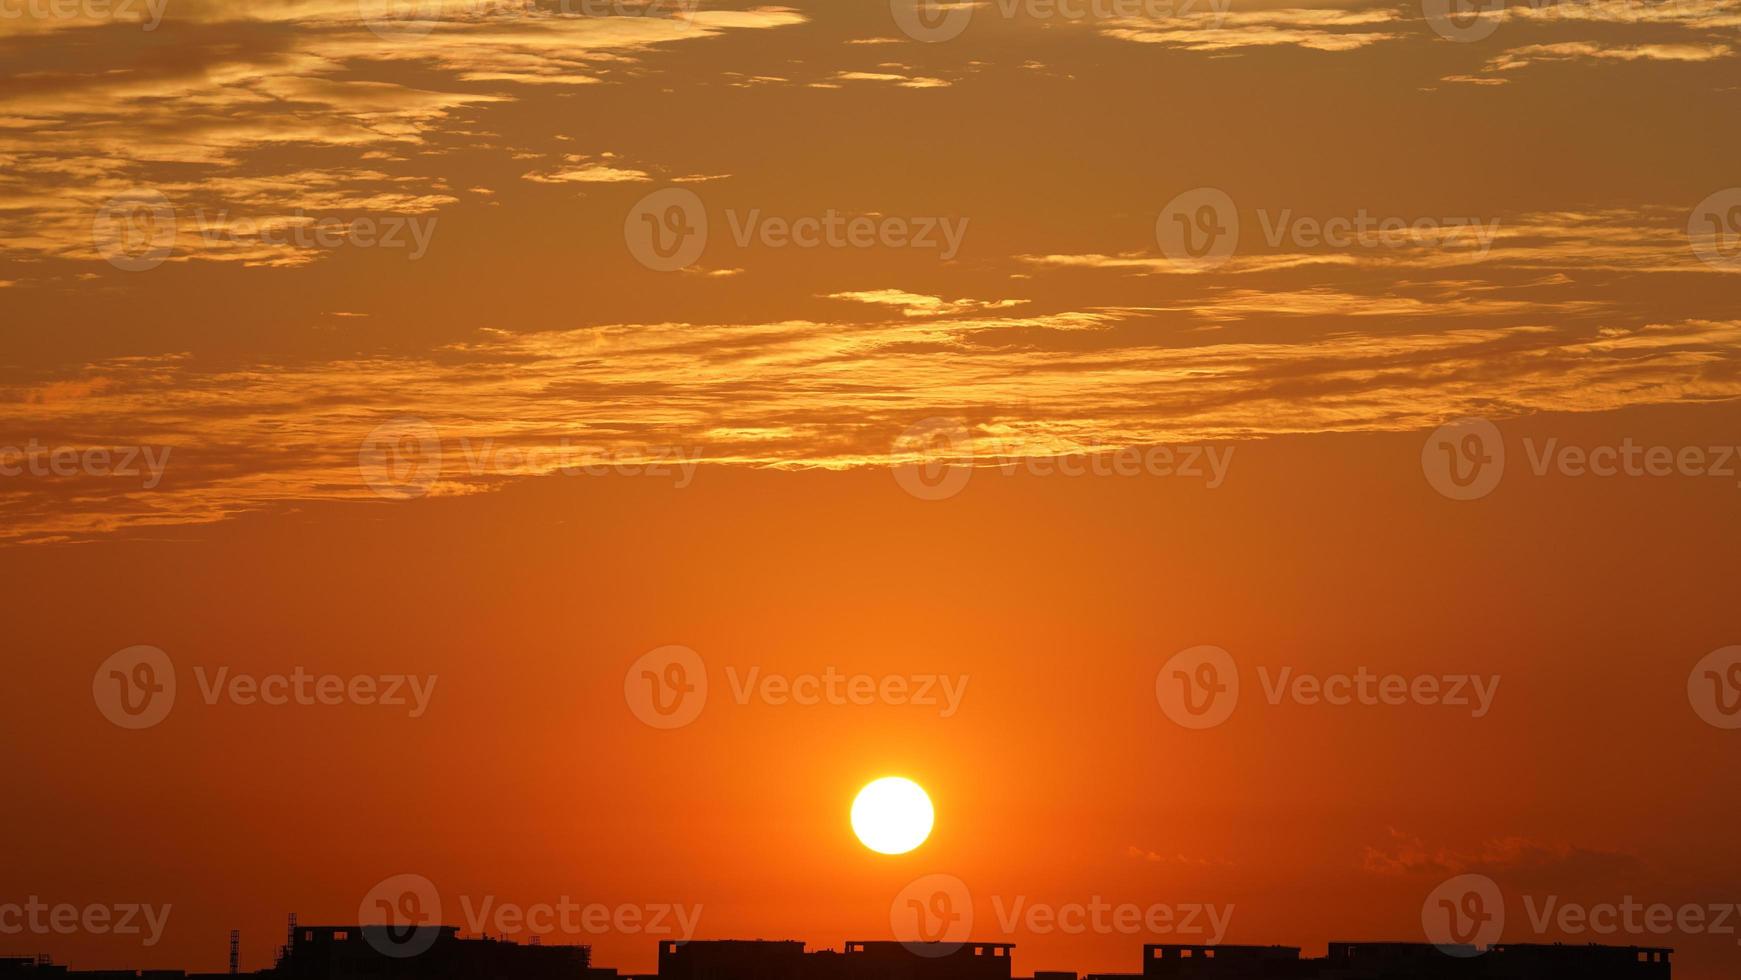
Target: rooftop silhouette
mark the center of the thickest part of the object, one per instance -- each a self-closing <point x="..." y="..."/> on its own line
<point x="440" y="953"/>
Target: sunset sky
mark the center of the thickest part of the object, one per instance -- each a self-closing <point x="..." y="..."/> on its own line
<point x="344" y="336"/>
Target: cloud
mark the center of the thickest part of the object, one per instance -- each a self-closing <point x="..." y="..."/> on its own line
<point x="919" y="304"/>
<point x="1177" y="859"/>
<point x="581" y="169"/>
<point x="271" y="435"/>
<point x="1317" y="29"/>
<point x="1516" y="58"/>
<point x="1516" y="858"/>
<point x="1239" y="304"/>
<point x="898" y="80"/>
<point x="251" y="83"/>
<point x="1630" y="239"/>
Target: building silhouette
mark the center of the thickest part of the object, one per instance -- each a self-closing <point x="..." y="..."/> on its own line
<point x="738" y="959"/>
<point x="440" y="953"/>
<point x="432" y="952"/>
<point x="1406" y="961"/>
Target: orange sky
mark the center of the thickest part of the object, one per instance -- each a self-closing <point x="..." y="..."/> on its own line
<point x="775" y="386"/>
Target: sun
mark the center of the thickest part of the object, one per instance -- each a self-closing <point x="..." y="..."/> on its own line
<point x="892" y="815"/>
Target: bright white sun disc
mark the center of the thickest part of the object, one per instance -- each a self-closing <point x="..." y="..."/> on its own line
<point x="892" y="815"/>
